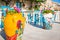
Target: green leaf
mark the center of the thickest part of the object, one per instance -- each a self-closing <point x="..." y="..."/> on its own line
<point x="47" y="11"/>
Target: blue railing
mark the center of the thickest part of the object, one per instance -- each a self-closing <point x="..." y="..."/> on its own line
<point x="36" y="18"/>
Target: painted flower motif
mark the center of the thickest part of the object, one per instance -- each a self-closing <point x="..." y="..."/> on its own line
<point x="19" y="24"/>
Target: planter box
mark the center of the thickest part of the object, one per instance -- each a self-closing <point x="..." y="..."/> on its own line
<point x="48" y="16"/>
<point x="48" y="20"/>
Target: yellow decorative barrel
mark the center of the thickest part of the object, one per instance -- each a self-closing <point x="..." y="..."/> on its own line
<point x="13" y="25"/>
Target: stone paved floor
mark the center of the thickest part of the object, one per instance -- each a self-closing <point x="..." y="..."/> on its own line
<point x="34" y="33"/>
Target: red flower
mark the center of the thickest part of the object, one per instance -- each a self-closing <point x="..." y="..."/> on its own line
<point x="19" y="24"/>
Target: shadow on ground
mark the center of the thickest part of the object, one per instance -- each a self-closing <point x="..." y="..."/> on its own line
<point x="2" y="33"/>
